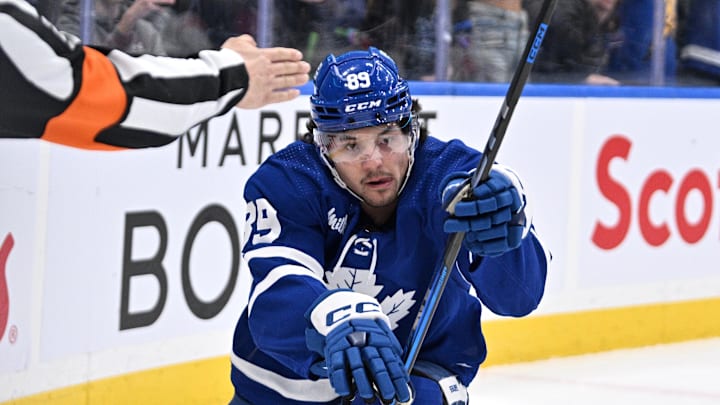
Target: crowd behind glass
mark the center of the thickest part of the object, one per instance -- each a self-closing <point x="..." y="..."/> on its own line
<point x="596" y="42"/>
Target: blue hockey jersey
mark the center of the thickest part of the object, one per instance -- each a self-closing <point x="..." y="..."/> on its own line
<point x="305" y="234"/>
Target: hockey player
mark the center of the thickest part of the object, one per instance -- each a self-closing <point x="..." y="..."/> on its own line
<point x="343" y="233"/>
<point x="53" y="88"/>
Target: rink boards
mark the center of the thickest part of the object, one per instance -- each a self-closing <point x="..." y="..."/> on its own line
<point x="119" y="267"/>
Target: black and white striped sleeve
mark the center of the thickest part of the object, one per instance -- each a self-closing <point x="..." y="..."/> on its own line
<point x="53" y="88"/>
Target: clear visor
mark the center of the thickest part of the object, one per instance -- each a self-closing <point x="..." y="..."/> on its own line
<point x="363" y="144"/>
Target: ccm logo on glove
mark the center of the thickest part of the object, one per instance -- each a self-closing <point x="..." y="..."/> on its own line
<point x="359" y="354"/>
<point x="343" y="313"/>
<point x="340" y="306"/>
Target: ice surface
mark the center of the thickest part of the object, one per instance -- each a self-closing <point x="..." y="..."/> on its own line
<point x="675" y="374"/>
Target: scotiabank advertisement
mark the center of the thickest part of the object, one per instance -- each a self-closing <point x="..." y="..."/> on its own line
<point x="651" y="194"/>
<point x="654" y="195"/>
<point x="115" y="262"/>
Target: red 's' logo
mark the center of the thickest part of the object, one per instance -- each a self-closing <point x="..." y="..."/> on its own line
<point x="4" y="296"/>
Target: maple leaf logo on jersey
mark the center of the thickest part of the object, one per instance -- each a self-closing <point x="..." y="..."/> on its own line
<point x="398" y="305"/>
<point x="356" y="270"/>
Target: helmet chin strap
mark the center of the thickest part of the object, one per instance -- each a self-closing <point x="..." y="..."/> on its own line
<point x="336" y="176"/>
<point x="411" y="160"/>
<point x="411" y="151"/>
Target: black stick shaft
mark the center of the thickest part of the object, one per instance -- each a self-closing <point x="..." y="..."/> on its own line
<point x="442" y="274"/>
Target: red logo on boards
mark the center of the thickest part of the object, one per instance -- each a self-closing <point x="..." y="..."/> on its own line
<point x="5" y="248"/>
<point x="635" y="205"/>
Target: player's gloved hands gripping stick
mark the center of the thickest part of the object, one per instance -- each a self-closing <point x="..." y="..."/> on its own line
<point x="361" y="354"/>
<point x="494" y="217"/>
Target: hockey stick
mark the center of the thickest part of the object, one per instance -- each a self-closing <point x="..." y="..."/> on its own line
<point x="442" y="274"/>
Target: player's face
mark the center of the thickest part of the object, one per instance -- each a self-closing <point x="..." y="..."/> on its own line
<point x="372" y="162"/>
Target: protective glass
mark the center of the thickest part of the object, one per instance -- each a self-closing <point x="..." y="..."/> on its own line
<point x="360" y="145"/>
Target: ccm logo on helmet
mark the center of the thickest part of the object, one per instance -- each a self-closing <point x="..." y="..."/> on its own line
<point x="363" y="106"/>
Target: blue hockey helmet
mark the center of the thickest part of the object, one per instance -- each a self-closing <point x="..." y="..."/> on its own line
<point x="358" y="89"/>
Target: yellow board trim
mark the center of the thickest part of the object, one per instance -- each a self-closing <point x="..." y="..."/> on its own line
<point x="569" y="334"/>
<point x="509" y="341"/>
<point x="198" y="382"/>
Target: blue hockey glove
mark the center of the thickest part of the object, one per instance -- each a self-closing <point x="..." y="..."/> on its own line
<point x="494" y="218"/>
<point x="361" y="354"/>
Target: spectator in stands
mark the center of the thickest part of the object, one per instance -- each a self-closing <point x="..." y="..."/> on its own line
<point x="319" y="27"/>
<point x="575" y="48"/>
<point x="223" y="19"/>
<point x="699" y="42"/>
<point x="69" y="17"/>
<point x="419" y="60"/>
<point x="189" y="26"/>
<point x="348" y="18"/>
<point x="132" y="32"/>
<point x="632" y="53"/>
<point x="184" y="32"/>
<point x="489" y="39"/>
<point x="387" y="24"/>
<point x="406" y="30"/>
<point x="119" y="24"/>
